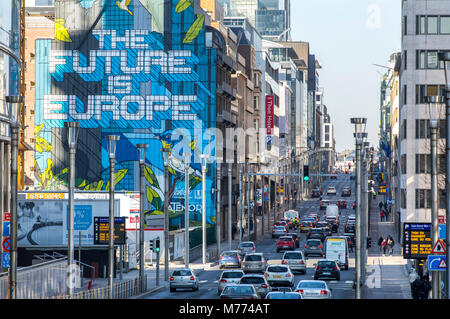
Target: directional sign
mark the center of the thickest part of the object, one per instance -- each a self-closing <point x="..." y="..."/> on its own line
<point x="6" y="260"/>
<point x="437" y="263"/>
<point x="442" y="231"/>
<point x="6" y="244"/>
<point x="439" y="247"/>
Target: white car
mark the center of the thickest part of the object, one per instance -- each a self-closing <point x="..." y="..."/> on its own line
<point x="279" y="275"/>
<point x="183" y="278"/>
<point x="313" y="289"/>
<point x="331" y="191"/>
<point x="229" y="277"/>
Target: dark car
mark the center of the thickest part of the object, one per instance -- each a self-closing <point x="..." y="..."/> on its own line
<point x="350" y="228"/>
<point x="325" y="227"/>
<point x="315" y="193"/>
<point x="327" y="268"/>
<point x="295" y="238"/>
<point x="324" y="204"/>
<point x="354" y="205"/>
<point x="333" y="223"/>
<point x="346" y="192"/>
<point x="239" y="292"/>
<point x="341" y="203"/>
<point x="316" y="233"/>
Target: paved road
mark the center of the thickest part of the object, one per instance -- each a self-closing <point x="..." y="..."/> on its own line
<point x="340" y="289"/>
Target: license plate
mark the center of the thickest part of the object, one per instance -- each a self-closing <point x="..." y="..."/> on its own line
<point x="327" y="273"/>
<point x="277" y="277"/>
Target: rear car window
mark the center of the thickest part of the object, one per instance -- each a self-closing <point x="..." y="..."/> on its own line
<point x="238" y="290"/>
<point x="326" y="264"/>
<point x="279" y="228"/>
<point x="286" y="238"/>
<point x="253" y="258"/>
<point x="230" y="254"/>
<point x="246" y="245"/>
<point x="277" y="269"/>
<point x="234" y="274"/>
<point x="312" y="284"/>
<point x="287" y="295"/>
<point x="252" y="280"/>
<point x="182" y="273"/>
<point x="293" y="256"/>
<point x="313" y="242"/>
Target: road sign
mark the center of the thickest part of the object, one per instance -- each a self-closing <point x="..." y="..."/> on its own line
<point x="439" y="247"/>
<point x="6" y="260"/>
<point x="6" y="217"/>
<point x="6" y="244"/>
<point x="441" y="219"/>
<point x="417" y="242"/>
<point x="442" y="231"/>
<point x="437" y="263"/>
<point x="101" y="231"/>
<point x="6" y="229"/>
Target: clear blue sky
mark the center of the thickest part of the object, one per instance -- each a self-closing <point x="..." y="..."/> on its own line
<point x="347" y="37"/>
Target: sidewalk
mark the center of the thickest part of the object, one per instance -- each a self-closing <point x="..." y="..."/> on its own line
<point x="196" y="265"/>
<point x="387" y="276"/>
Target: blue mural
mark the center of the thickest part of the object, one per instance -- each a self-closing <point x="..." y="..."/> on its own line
<point x="131" y="75"/>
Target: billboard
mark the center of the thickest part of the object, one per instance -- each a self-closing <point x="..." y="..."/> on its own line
<point x="417" y="241"/>
<point x="139" y="69"/>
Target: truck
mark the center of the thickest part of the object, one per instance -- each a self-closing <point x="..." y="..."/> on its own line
<point x="336" y="248"/>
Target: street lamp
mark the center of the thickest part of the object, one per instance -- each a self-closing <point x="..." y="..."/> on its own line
<point x="360" y="127"/>
<point x="204" y="159"/>
<point x="445" y="56"/>
<point x="187" y="160"/>
<point x="141" y="148"/>
<point x="166" y="152"/>
<point x="218" y="204"/>
<point x="111" y="148"/>
<point x="72" y="138"/>
<point x="14" y="111"/>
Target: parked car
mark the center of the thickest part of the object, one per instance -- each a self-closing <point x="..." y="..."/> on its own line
<point x="239" y="292"/>
<point x="313" y="247"/>
<point x="255" y="262"/>
<point x="295" y="260"/>
<point x="316" y="233"/>
<point x="278" y="231"/>
<point x="229" y="277"/>
<point x="285" y="243"/>
<point x="246" y="247"/>
<point x="229" y="258"/>
<point x="259" y="282"/>
<point x="283" y="295"/>
<point x="327" y="268"/>
<point x="313" y="289"/>
<point x="279" y="275"/>
<point x="182" y="279"/>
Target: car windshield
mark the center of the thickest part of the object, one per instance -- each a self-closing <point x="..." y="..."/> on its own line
<point x="232" y="274"/>
<point x="252" y="280"/>
<point x="238" y="290"/>
<point x="326" y="264"/>
<point x="293" y="256"/>
<point x="182" y="273"/>
<point x="284" y="295"/>
<point x="312" y="284"/>
<point x="277" y="269"/>
<point x="247" y="245"/>
<point x="253" y="258"/>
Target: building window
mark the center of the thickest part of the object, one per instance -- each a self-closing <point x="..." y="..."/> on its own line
<point x="403" y="199"/>
<point x="445" y="25"/>
<point x="403" y="159"/>
<point x="423" y="164"/>
<point x="405" y="93"/>
<point x="422" y="129"/>
<point x="423" y="90"/>
<point x="403" y="130"/>
<point x="432" y="25"/>
<point x="428" y="60"/>
<point x="405" y="25"/>
<point x="423" y="198"/>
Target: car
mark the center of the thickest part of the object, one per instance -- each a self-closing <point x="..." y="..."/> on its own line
<point x="313" y="221"/>
<point x="314" y="216"/>
<point x="351" y="217"/>
<point x="324" y="204"/>
<point x="254" y="262"/>
<point x="305" y="226"/>
<point x="280" y="223"/>
<point x="352" y="177"/>
<point x="346" y="192"/>
<point x="239" y="292"/>
<point x="229" y="277"/>
<point x="259" y="282"/>
<point x="295" y="260"/>
<point x="350" y="228"/>
<point x="313" y="289"/>
<point x="283" y="295"/>
<point x="315" y="193"/>
<point x="284" y="243"/>
<point x="316" y="233"/>
<point x="313" y="247"/>
<point x="279" y="275"/>
<point x="327" y="268"/>
<point x="333" y="223"/>
<point x="333" y="176"/>
<point x="246" y="247"/>
<point x="295" y="238"/>
<point x="278" y="231"/>
<point x="288" y="223"/>
<point x="325" y="227"/>
<point x="354" y="205"/>
<point x="183" y="279"/>
<point x="341" y="203"/>
<point x="229" y="258"/>
<point x="331" y="191"/>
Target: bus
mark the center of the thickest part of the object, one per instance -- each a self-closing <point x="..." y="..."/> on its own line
<point x="336" y="248"/>
<point x="291" y="214"/>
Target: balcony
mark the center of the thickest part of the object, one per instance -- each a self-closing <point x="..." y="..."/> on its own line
<point x="227" y="118"/>
<point x="227" y="90"/>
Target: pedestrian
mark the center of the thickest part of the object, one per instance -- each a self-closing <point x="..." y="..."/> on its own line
<point x="233" y="230"/>
<point x="391" y="245"/>
<point x="383" y="246"/>
<point x="416" y="287"/>
<point x="380" y="241"/>
<point x="381" y="215"/>
<point x="426" y="286"/>
<point x="412" y="282"/>
<point x="380" y="205"/>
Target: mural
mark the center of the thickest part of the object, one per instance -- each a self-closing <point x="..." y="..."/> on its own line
<point x="135" y="68"/>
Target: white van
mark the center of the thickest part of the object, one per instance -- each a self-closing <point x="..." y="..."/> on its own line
<point x="332" y="211"/>
<point x="336" y="248"/>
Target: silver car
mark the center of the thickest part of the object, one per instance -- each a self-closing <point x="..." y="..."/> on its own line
<point x="313" y="247"/>
<point x="229" y="277"/>
<point x="313" y="289"/>
<point x="246" y="247"/>
<point x="229" y="258"/>
<point x="295" y="260"/>
<point x="279" y="231"/>
<point x="256" y="262"/>
<point x="259" y="282"/>
<point x="183" y="278"/>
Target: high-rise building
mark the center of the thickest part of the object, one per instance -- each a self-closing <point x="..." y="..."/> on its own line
<point x="425" y="32"/>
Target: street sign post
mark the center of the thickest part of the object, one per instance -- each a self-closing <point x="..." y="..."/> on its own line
<point x="7" y="244"/>
<point x="6" y="260"/>
<point x="439" y="247"/>
<point x="437" y="263"/>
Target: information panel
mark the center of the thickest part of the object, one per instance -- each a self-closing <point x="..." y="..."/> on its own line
<point x="101" y="231"/>
<point x="417" y="241"/>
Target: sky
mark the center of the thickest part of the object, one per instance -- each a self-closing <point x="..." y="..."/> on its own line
<point x="348" y="37"/>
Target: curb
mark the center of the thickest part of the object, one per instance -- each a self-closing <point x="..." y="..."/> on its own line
<point x="148" y="293"/>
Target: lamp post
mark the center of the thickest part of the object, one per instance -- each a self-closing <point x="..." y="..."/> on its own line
<point x="218" y="209"/>
<point x="166" y="152"/>
<point x="445" y="56"/>
<point x="230" y="211"/>
<point x="111" y="144"/>
<point x="142" y="148"/>
<point x="187" y="160"/>
<point x="14" y="111"/>
<point x="204" y="159"/>
<point x="72" y="137"/>
<point x="360" y="124"/>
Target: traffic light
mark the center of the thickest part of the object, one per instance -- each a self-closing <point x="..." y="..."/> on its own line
<point x="306" y="173"/>
<point x="369" y="242"/>
<point x="157" y="248"/>
<point x="151" y="245"/>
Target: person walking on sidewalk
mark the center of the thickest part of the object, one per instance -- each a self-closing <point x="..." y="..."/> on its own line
<point x="426" y="286"/>
<point x="381" y="215"/>
<point x="380" y="241"/>
<point x="391" y="245"/>
<point x="383" y="246"/>
<point x="416" y="286"/>
<point x="380" y="205"/>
